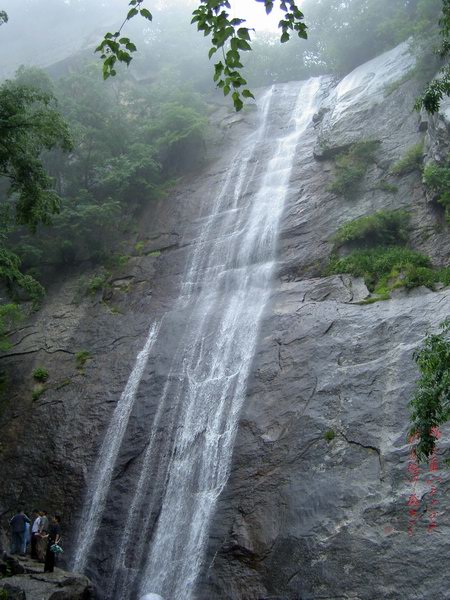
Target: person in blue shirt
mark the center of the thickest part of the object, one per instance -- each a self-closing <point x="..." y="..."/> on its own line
<point x="18" y="529"/>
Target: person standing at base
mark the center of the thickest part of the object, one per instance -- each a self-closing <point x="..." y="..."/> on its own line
<point x="18" y="528"/>
<point x="42" y="541"/>
<point x="35" y="533"/>
<point x="53" y="537"/>
<point x="26" y="538"/>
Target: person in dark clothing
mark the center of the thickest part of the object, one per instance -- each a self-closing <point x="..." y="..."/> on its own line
<point x="18" y="527"/>
<point x="53" y="537"/>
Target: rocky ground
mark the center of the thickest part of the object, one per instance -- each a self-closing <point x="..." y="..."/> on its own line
<point x="23" y="579"/>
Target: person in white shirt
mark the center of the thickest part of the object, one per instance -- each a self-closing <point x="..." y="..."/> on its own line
<point x="35" y="535"/>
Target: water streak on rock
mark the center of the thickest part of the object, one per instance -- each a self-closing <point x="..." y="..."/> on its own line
<point x="103" y="470"/>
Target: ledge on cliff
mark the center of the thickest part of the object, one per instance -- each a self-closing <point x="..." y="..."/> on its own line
<point x="27" y="581"/>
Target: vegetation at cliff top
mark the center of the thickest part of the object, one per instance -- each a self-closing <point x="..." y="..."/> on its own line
<point x="437" y="178"/>
<point x="430" y="406"/>
<point x="385" y="227"/>
<point x="351" y="166"/>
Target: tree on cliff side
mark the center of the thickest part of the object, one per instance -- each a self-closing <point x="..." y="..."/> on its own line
<point x="29" y="124"/>
<point x="430" y="406"/>
<point x="439" y="87"/>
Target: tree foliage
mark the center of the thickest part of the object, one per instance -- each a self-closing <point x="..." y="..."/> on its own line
<point x="121" y="161"/>
<point x="29" y="125"/>
<point x="440" y="86"/>
<point x="338" y="37"/>
<point x="228" y="36"/>
<point x="430" y="406"/>
<point x="437" y="178"/>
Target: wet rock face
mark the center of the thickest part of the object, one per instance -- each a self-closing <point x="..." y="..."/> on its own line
<point x="315" y="506"/>
<point x="316" y="502"/>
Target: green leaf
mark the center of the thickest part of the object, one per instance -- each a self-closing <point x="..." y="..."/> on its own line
<point x="284" y="37"/>
<point x="269" y="6"/>
<point x="247" y="94"/>
<point x="211" y="52"/>
<point x="238" y="104"/>
<point x="146" y="14"/>
<point x="243" y="33"/>
<point x="132" y="13"/>
<point x="243" y="45"/>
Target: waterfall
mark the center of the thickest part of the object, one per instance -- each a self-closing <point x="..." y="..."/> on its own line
<point x="102" y="474"/>
<point x="226" y="287"/>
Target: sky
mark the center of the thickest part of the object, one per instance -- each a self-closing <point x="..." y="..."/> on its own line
<point x="251" y="10"/>
<point x="255" y="13"/>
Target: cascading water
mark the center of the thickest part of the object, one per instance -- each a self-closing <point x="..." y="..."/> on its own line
<point x="101" y="479"/>
<point x="225" y="289"/>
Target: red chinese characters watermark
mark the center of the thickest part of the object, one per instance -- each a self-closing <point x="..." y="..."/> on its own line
<point x="431" y="479"/>
<point x="413" y="502"/>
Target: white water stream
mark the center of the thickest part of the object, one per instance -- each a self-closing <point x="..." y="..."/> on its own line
<point x="225" y="290"/>
<point x="101" y="478"/>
